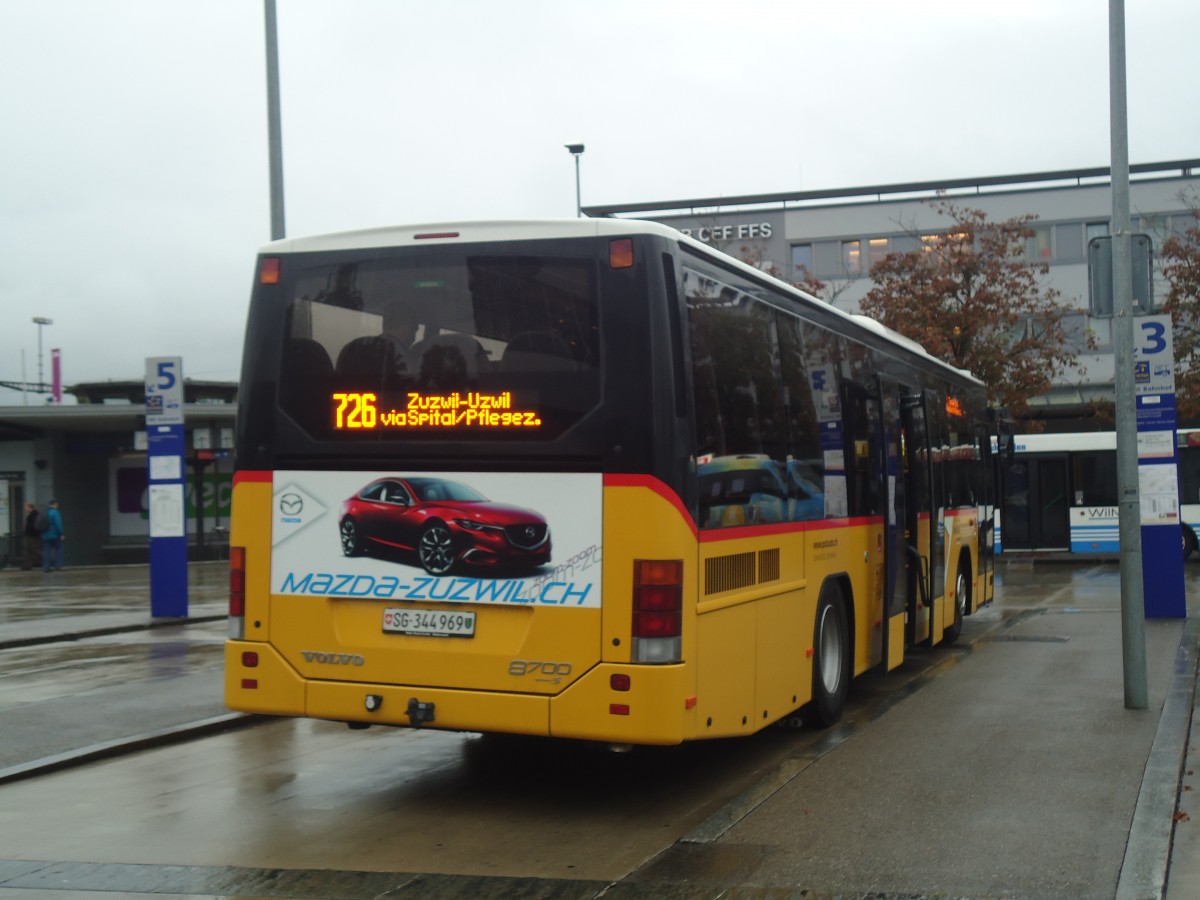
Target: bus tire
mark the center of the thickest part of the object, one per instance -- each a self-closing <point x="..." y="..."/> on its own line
<point x="435" y="549"/>
<point x="351" y="539"/>
<point x="1189" y="542"/>
<point x="831" y="659"/>
<point x="962" y="593"/>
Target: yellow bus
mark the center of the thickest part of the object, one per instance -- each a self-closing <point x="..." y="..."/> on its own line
<point x="587" y="479"/>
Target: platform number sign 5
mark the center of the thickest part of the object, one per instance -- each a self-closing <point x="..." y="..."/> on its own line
<point x="164" y="390"/>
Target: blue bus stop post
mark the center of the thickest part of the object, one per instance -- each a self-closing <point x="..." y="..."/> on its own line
<point x="165" y="486"/>
<point x="168" y="526"/>
<point x="1158" y="470"/>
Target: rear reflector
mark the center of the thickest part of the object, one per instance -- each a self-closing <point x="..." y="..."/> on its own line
<point x="268" y="270"/>
<point x="618" y="709"/>
<point x="619" y="682"/>
<point x="435" y="235"/>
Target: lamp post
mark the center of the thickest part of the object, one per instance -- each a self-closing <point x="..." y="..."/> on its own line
<point x="41" y="321"/>
<point x="576" y="150"/>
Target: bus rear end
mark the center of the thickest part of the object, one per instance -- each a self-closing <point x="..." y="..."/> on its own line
<point x="451" y="510"/>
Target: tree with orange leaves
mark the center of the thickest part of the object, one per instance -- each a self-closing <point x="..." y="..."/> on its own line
<point x="970" y="297"/>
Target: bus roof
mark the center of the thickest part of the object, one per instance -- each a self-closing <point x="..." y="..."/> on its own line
<point x="548" y="229"/>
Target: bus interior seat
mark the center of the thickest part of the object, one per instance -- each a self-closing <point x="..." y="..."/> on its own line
<point x="307" y="373"/>
<point x="539" y="351"/>
<point x="370" y="362"/>
<point x="449" y="359"/>
<point x="306" y="358"/>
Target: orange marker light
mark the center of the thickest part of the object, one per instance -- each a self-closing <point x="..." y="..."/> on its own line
<point x="620" y="253"/>
<point x="268" y="270"/>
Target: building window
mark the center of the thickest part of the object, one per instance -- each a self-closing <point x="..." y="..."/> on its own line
<point x="1096" y="229"/>
<point x="852" y="258"/>
<point x="941" y="240"/>
<point x="1037" y="246"/>
<point x="877" y="249"/>
<point x="802" y="264"/>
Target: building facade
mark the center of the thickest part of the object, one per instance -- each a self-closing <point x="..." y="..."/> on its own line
<point x="836" y="236"/>
<point x="91" y="457"/>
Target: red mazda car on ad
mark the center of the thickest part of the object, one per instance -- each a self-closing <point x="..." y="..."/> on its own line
<point x="447" y="524"/>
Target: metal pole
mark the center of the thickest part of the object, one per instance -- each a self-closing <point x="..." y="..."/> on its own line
<point x="576" y="150"/>
<point x="1133" y="610"/>
<point x="578" y="201"/>
<point x="274" y="129"/>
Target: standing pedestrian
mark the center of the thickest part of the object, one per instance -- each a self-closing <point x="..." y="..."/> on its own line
<point x="33" y="538"/>
<point x="52" y="538"/>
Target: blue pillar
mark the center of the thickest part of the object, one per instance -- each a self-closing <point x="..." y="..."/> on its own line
<point x="165" y="462"/>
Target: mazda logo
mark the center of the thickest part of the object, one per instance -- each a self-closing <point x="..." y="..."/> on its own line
<point x="291" y="504"/>
<point x="531" y="532"/>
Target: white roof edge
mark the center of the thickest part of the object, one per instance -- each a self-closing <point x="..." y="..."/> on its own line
<point x="896" y="337"/>
<point x="509" y="229"/>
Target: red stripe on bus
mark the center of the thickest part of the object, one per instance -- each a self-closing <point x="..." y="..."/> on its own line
<point x="745" y="531"/>
<point x="653" y="484"/>
<point x="250" y="475"/>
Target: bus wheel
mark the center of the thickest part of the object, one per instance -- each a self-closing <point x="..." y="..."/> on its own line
<point x="1189" y="542"/>
<point x="351" y="543"/>
<point x="831" y="660"/>
<point x="436" y="549"/>
<point x="962" y="590"/>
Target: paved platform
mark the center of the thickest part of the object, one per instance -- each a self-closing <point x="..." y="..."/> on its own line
<point x="86" y="671"/>
<point x="1015" y="772"/>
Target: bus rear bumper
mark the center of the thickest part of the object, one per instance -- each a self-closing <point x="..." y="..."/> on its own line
<point x="450" y="710"/>
<point x="655" y="709"/>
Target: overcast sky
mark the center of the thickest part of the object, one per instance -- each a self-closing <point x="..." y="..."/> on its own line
<point x="133" y="158"/>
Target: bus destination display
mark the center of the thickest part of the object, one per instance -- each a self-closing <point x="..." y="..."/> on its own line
<point x="360" y="411"/>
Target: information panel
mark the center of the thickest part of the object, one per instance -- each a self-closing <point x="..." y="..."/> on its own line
<point x="1158" y="479"/>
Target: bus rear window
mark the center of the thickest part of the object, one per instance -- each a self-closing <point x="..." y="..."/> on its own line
<point x="442" y="347"/>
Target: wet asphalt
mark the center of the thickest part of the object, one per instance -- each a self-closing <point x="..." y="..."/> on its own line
<point x="1015" y="772"/>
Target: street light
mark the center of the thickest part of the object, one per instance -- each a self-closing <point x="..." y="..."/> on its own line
<point x="576" y="150"/>
<point x="39" y="321"/>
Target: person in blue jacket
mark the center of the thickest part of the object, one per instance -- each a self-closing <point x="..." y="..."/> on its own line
<point x="52" y="538"/>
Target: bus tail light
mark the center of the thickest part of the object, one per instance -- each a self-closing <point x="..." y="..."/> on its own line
<point x="620" y="253"/>
<point x="237" y="593"/>
<point x="657" y="610"/>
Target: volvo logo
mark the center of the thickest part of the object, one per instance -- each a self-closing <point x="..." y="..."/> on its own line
<point x="291" y="504"/>
<point x="332" y="659"/>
